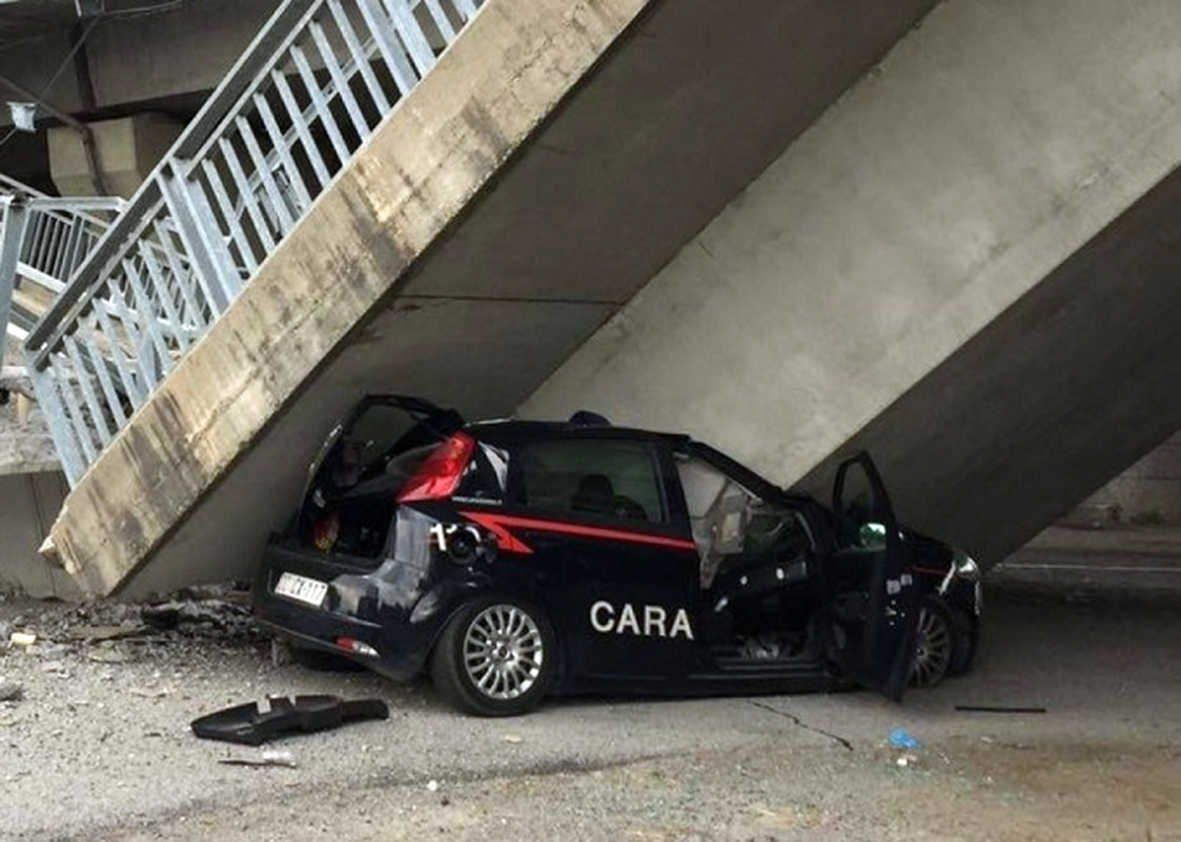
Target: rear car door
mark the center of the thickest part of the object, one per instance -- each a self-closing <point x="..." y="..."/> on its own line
<point x="595" y="509"/>
<point x="882" y="611"/>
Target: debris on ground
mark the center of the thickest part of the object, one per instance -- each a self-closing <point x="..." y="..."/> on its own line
<point x="105" y="633"/>
<point x="267" y="758"/>
<point x="10" y="692"/>
<point x="212" y="614"/>
<point x="107" y="654"/>
<point x="999" y="709"/>
<point x="113" y="632"/>
<point x="281" y="654"/>
<point x="250" y="725"/>
<point x="900" y="738"/>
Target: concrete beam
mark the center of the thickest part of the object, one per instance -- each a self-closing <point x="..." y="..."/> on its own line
<point x="25" y="444"/>
<point x="126" y="150"/>
<point x="1059" y="393"/>
<point x="951" y="194"/>
<point x="478" y="238"/>
<point x="145" y="58"/>
<point x="160" y="58"/>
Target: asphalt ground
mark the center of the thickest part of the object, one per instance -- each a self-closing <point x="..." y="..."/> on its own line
<point x="103" y="750"/>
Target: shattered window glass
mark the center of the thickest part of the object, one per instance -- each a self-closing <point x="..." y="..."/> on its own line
<point x="731" y="524"/>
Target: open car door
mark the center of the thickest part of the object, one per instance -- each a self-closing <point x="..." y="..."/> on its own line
<point x="882" y="640"/>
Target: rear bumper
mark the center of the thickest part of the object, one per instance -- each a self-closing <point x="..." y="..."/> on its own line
<point x="352" y="611"/>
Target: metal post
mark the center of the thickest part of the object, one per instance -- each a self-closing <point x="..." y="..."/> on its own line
<point x="60" y="427"/>
<point x="12" y="235"/>
<point x="212" y="265"/>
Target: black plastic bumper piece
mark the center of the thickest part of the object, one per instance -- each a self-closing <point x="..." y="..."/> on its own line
<point x="245" y="724"/>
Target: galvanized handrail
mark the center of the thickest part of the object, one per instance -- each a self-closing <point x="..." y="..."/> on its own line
<point x="43" y="241"/>
<point x="310" y="89"/>
<point x="59" y="233"/>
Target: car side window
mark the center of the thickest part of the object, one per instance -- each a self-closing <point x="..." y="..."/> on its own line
<point x="609" y="478"/>
<point x="734" y="528"/>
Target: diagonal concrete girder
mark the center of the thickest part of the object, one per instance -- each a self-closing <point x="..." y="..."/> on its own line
<point x="556" y="157"/>
<point x="1067" y="387"/>
<point x="967" y="265"/>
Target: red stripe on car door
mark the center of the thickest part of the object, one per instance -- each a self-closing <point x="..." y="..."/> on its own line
<point x="500" y="525"/>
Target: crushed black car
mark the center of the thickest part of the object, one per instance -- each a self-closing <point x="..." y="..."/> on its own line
<point x="518" y="559"/>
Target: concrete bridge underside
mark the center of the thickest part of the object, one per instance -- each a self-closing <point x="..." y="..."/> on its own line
<point x="558" y="155"/>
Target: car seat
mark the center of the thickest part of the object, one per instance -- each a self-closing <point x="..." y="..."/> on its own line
<point x="595" y="494"/>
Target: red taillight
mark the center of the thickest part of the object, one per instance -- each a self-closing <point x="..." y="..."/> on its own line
<point x="350" y="645"/>
<point x="440" y="473"/>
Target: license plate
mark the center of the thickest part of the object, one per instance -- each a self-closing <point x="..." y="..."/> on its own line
<point x="311" y="591"/>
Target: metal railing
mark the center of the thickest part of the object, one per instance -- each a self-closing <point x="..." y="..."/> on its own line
<point x="308" y="92"/>
<point x="43" y="242"/>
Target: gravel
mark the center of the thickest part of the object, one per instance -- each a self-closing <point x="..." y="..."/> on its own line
<point x="99" y="745"/>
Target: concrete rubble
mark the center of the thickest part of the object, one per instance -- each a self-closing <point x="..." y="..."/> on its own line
<point x="115" y="633"/>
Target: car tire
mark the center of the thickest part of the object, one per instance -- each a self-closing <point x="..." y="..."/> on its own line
<point x="935" y="644"/>
<point x="496" y="657"/>
<point x="964" y="638"/>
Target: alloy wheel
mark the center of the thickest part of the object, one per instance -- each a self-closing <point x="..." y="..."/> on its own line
<point x="503" y="652"/>
<point x="933" y="648"/>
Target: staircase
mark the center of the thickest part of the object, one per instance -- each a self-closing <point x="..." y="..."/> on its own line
<point x="116" y="307"/>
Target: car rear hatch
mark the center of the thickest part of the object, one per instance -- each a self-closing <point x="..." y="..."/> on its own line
<point x="373" y="456"/>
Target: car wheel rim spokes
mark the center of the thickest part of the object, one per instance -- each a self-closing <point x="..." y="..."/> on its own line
<point x="503" y="652"/>
<point x="933" y="649"/>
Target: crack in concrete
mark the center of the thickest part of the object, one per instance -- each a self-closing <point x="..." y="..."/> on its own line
<point x="799" y="722"/>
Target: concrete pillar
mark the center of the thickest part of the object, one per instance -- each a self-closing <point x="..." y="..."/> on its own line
<point x="28" y="504"/>
<point x="128" y="150"/>
<point x="819" y="310"/>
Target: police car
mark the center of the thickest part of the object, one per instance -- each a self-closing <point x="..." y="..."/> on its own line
<point x="517" y="559"/>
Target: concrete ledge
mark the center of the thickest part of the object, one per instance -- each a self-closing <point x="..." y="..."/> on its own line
<point x="25" y="444"/>
<point x="1060" y="392"/>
